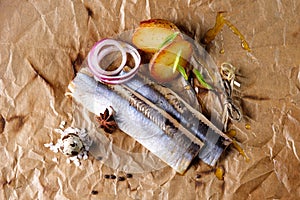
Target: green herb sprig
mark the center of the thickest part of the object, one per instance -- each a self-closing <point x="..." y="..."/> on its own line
<point x="201" y="79"/>
<point x="169" y="39"/>
<point x="179" y="68"/>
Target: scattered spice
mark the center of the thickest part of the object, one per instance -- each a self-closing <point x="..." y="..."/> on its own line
<point x="94" y="192"/>
<point x="112" y="176"/>
<point x="198" y="176"/>
<point x="128" y="175"/>
<point x="107" y="176"/>
<point x="121" y="178"/>
<point x="107" y="121"/>
<point x="2" y="124"/>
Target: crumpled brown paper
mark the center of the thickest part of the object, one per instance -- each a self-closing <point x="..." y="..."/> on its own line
<point x="43" y="45"/>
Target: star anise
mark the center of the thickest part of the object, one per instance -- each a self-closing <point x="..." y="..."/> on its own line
<point x="106" y="121"/>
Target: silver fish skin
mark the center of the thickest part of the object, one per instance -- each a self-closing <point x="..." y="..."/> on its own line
<point x="176" y="107"/>
<point x="154" y="128"/>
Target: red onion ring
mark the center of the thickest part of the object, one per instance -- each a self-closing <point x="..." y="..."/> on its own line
<point x="93" y="59"/>
<point x="116" y="76"/>
<point x="104" y="53"/>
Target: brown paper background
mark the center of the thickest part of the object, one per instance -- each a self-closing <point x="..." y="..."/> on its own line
<point x="43" y="44"/>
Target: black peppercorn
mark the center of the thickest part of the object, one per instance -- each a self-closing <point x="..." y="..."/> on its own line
<point x="94" y="192"/>
<point x="128" y="175"/>
<point x="198" y="176"/>
<point x="113" y="176"/>
<point x="121" y="178"/>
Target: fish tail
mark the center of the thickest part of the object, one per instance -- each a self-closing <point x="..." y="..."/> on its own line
<point x="210" y="154"/>
<point x="212" y="149"/>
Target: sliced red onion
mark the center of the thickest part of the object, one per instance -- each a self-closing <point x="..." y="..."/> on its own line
<point x="105" y="47"/>
<point x="104" y="53"/>
<point x="95" y="57"/>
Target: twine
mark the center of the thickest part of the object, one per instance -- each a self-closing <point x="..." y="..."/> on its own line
<point x="231" y="111"/>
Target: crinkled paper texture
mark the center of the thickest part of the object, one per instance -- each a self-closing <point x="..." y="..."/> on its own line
<point x="43" y="44"/>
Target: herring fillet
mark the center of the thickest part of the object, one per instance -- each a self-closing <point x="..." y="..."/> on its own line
<point x="144" y="121"/>
<point x="195" y="122"/>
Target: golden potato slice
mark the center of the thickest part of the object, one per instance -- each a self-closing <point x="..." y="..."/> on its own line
<point x="162" y="63"/>
<point x="152" y="33"/>
<point x="162" y="23"/>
